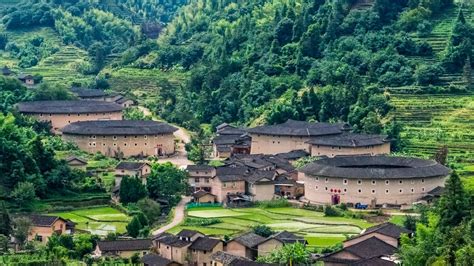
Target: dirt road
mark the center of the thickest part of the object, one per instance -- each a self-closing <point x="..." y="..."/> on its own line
<point x="178" y="216"/>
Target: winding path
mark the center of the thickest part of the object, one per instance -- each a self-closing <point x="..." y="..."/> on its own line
<point x="177" y="218"/>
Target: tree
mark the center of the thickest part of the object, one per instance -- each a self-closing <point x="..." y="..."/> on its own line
<point x="47" y="92"/>
<point x="262" y="230"/>
<point x="133" y="228"/>
<point x="291" y="254"/>
<point x="166" y="182"/>
<point x="3" y="243"/>
<point x="150" y="208"/>
<point x="131" y="190"/>
<point x="5" y="221"/>
<point x="22" y="229"/>
<point x="454" y="205"/>
<point x="24" y="193"/>
<point x="441" y="155"/>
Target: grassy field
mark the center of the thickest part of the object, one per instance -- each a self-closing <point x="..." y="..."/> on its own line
<point x="100" y="220"/>
<point x="314" y="226"/>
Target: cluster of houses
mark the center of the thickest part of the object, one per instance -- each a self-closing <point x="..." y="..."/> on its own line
<point x="27" y="79"/>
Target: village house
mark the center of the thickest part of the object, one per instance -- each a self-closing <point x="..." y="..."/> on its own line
<point x="203" y="196"/>
<point x="152" y="259"/>
<point x="6" y="71"/>
<point x="122" y="138"/>
<point x="230" y="140"/>
<point x="245" y="245"/>
<point x="44" y="226"/>
<point x="371" y="249"/>
<point x="63" y="113"/>
<point x="124" y="102"/>
<point x="373" y="180"/>
<point x="289" y="136"/>
<point x="123" y="248"/>
<point x="261" y="185"/>
<point x="138" y="169"/>
<point x="228" y="182"/>
<point x="89" y="94"/>
<point x="27" y="79"/>
<point x="76" y="162"/>
<point x="349" y="144"/>
<point x="221" y="258"/>
<point x="202" y="249"/>
<point x="175" y="247"/>
<point x="277" y="241"/>
<point x="199" y="177"/>
<point x="387" y="232"/>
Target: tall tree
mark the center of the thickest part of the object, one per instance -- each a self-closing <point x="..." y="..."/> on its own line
<point x="441" y="155"/>
<point x="131" y="190"/>
<point x="166" y="182"/>
<point x="454" y="204"/>
<point x="5" y="220"/>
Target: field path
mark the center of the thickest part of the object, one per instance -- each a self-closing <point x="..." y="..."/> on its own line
<point x="178" y="216"/>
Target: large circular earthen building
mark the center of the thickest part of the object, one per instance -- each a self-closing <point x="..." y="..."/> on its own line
<point x="371" y="179"/>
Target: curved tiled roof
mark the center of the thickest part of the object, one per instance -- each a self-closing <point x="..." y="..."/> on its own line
<point x="68" y="107"/>
<point x="118" y="127"/>
<point x="300" y="129"/>
<point x="375" y="167"/>
<point x="349" y="140"/>
<point x="88" y="93"/>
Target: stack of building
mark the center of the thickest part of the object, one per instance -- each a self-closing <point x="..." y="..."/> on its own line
<point x="100" y="95"/>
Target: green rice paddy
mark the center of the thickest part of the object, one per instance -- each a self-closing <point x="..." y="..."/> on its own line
<point x="99" y="220"/>
<point x="314" y="226"/>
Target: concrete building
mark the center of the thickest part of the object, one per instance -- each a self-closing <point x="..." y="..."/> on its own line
<point x="374" y="180"/>
<point x="289" y="136"/>
<point x="124" y="138"/>
<point x="43" y="227"/>
<point x="349" y="144"/>
<point x="123" y="248"/>
<point x="63" y="113"/>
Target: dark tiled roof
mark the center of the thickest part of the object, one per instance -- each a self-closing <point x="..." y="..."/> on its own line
<point x="223" y="148"/>
<point x="171" y="240"/>
<point x="75" y="158"/>
<point x="225" y="139"/>
<point x="249" y="240"/>
<point x="288" y="238"/>
<point x="388" y="229"/>
<point x="155" y="260"/>
<point x="130" y="165"/>
<point x="43" y="220"/>
<point x="437" y="191"/>
<point x="374" y="262"/>
<point x="299" y="128"/>
<point x="118" y="127"/>
<point x="205" y="243"/>
<point x="88" y="93"/>
<point x="68" y="107"/>
<point x="123" y="100"/>
<point x="259" y="176"/>
<point x="259" y="161"/>
<point x="125" y="245"/>
<point x="25" y="76"/>
<point x="373" y="167"/>
<point x="200" y="167"/>
<point x="349" y="140"/>
<point x="188" y="233"/>
<point x="226" y="258"/>
<point x="201" y="193"/>
<point x="227" y="174"/>
<point x="293" y="155"/>
<point x="371" y="247"/>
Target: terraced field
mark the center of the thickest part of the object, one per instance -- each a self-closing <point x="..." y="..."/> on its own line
<point x="314" y="226"/>
<point x="100" y="221"/>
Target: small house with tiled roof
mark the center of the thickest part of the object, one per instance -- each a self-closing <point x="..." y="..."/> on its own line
<point x="369" y="248"/>
<point x="152" y="259"/>
<point x="76" y="162"/>
<point x="388" y="232"/>
<point x="199" y="177"/>
<point x="44" y="226"/>
<point x="202" y="249"/>
<point x="203" y="196"/>
<point x="175" y="247"/>
<point x="123" y="248"/>
<point x="137" y="169"/>
<point x="277" y="241"/>
<point x="221" y="258"/>
<point x="27" y="79"/>
<point x="245" y="245"/>
<point x="89" y="94"/>
<point x="230" y="140"/>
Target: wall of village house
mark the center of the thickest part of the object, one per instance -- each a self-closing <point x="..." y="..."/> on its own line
<point x="222" y="189"/>
<point x="267" y="247"/>
<point x="145" y="170"/>
<point x="135" y="145"/>
<point x="128" y="254"/>
<point x="392" y="191"/>
<point x="331" y="151"/>
<point x="387" y="239"/>
<point x="201" y="258"/>
<point x="200" y="183"/>
<point x="262" y="191"/>
<point x="46" y="232"/>
<point x="235" y="248"/>
<point x="172" y="253"/>
<point x="58" y="121"/>
<point x="206" y="199"/>
<point x="273" y="144"/>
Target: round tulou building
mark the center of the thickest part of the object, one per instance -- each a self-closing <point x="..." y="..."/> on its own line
<point x="122" y="138"/>
<point x="374" y="180"/>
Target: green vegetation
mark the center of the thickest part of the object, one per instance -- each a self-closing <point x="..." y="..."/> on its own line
<point x="314" y="226"/>
<point x="97" y="220"/>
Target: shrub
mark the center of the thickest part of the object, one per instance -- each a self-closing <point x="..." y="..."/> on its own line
<point x="428" y="74"/>
<point x="262" y="230"/>
<point x="332" y="212"/>
<point x="279" y="203"/>
<point x="201" y="221"/>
